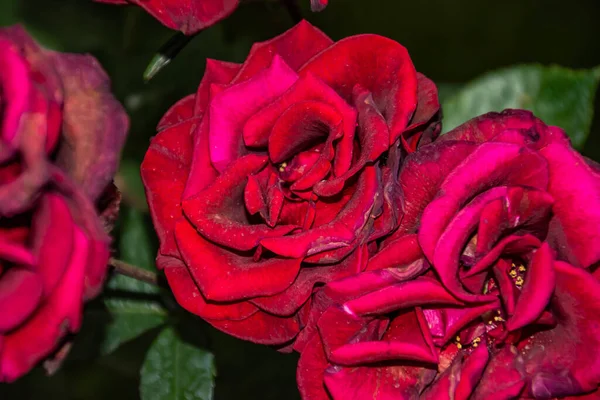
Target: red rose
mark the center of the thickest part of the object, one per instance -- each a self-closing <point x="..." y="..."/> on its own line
<point x="60" y="138"/>
<point x="506" y="213"/>
<point x="192" y="16"/>
<point x="269" y="179"/>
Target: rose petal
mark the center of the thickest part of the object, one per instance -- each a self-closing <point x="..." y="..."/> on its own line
<point x="420" y="291"/>
<point x="230" y="109"/>
<point x="575" y="187"/>
<point x="223" y="275"/>
<point x="491" y="164"/>
<point x="537" y="289"/>
<point x="60" y="314"/>
<point x="295" y="46"/>
<point x="164" y="173"/>
<point x="394" y="86"/>
<point x="187" y="16"/>
<point x="189" y="297"/>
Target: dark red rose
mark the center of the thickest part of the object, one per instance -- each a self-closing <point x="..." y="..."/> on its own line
<point x="269" y="180"/>
<point x="60" y="138"/>
<point x="192" y="16"/>
<point x="502" y="224"/>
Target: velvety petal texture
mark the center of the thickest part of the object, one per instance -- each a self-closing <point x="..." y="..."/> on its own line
<point x="488" y="289"/>
<point x="60" y="141"/>
<point x="192" y="16"/>
<point x="279" y="175"/>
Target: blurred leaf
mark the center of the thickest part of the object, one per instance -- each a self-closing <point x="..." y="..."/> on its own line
<point x="135" y="312"/>
<point x="176" y="370"/>
<point x="129" y="182"/>
<point x="557" y="95"/>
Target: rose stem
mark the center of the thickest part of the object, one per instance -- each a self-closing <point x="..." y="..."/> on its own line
<point x="166" y="53"/>
<point x="293" y="9"/>
<point x="133" y="271"/>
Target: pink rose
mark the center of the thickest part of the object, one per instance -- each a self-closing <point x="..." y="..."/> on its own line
<point x="487" y="288"/>
<point x="60" y="139"/>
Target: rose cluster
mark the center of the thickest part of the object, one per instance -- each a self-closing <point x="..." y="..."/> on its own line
<point x="61" y="133"/>
<point x="303" y="199"/>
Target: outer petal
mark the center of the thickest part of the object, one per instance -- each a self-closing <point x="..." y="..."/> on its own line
<point x="394" y="86"/>
<point x="95" y="124"/>
<point x="575" y="186"/>
<point x="295" y="46"/>
<point x="188" y="16"/>
<point x="223" y="275"/>
<point x="164" y="173"/>
<point x="60" y="314"/>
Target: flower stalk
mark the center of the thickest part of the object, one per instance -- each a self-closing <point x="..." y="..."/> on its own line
<point x="133" y="271"/>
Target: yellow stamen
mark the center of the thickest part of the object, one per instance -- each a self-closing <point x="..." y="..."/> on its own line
<point x="459" y="345"/>
<point x="513" y="273"/>
<point x="458" y="338"/>
<point x="519" y="281"/>
<point x="522" y="269"/>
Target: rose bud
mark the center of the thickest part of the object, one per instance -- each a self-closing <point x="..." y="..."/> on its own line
<point x="60" y="139"/>
<point x="489" y="287"/>
<point x="277" y="173"/>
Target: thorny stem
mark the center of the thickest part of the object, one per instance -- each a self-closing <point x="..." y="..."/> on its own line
<point x="133" y="271"/>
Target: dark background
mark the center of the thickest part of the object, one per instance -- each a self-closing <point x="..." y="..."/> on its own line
<point x="450" y="41"/>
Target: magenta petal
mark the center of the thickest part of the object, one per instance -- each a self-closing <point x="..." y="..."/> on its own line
<point x="420" y="291"/>
<point x="60" y="314"/>
<point x="537" y="290"/>
<point x="576" y="188"/>
<point x="230" y="109"/>
<point x="491" y="164"/>
<point x="563" y="360"/>
<point x="216" y="72"/>
<point x="421" y="176"/>
<point x="308" y="88"/>
<point x="216" y="212"/>
<point x="20" y="293"/>
<point x="223" y="275"/>
<point x="15" y="83"/>
<point x="452" y="241"/>
<point x="405" y="339"/>
<point x="53" y="245"/>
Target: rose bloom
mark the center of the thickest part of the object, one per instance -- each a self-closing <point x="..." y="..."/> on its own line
<point x="192" y="16"/>
<point x="60" y="137"/>
<point x="269" y="180"/>
<point x="488" y="288"/>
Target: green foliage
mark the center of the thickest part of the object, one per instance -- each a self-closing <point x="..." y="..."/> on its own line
<point x="559" y="96"/>
<point x="176" y="370"/>
<point x="132" y="310"/>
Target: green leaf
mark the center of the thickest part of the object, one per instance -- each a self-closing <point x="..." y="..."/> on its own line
<point x="559" y="96"/>
<point x="175" y="370"/>
<point x="133" y="316"/>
